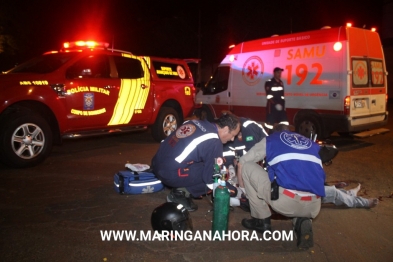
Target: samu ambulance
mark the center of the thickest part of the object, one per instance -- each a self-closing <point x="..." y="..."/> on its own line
<point x="334" y="80"/>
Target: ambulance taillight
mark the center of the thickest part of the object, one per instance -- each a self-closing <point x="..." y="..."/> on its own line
<point x="347" y="105"/>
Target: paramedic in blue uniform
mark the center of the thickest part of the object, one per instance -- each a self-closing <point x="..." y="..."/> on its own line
<point x="275" y="106"/>
<point x="294" y="161"/>
<point x="250" y="133"/>
<point x="185" y="159"/>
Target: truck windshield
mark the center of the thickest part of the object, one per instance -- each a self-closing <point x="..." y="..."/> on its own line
<point x="43" y="64"/>
<point x="219" y="81"/>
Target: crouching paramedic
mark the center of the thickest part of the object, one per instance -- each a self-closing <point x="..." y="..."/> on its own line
<point x="294" y="162"/>
<point x="185" y="160"/>
<point x="250" y="133"/>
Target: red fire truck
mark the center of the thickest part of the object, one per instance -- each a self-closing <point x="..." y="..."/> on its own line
<point x="87" y="89"/>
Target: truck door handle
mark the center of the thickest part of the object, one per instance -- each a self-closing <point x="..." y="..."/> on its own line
<point x="229" y="94"/>
<point x="143" y="86"/>
<point x="374" y="101"/>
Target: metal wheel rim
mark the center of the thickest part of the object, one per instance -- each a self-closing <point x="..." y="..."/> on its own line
<point x="306" y="127"/>
<point x="169" y="125"/>
<point x="27" y="141"/>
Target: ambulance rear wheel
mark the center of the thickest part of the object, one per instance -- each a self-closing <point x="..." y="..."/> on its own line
<point x="307" y="125"/>
<point x="167" y="122"/>
<point x="25" y="140"/>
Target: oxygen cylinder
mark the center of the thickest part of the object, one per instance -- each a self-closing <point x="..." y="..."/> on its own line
<point x="221" y="209"/>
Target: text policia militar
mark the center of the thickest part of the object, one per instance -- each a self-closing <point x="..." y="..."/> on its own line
<point x="205" y="235"/>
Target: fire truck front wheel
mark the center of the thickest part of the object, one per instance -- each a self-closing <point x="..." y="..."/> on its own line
<point x="166" y="123"/>
<point x="309" y="124"/>
<point x="25" y="140"/>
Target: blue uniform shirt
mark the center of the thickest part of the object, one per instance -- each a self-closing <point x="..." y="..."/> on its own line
<point x="196" y="141"/>
<point x="295" y="162"/>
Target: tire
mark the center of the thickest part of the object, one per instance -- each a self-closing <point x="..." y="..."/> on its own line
<point x="309" y="124"/>
<point x="167" y="122"/>
<point x="204" y="113"/>
<point x="25" y="140"/>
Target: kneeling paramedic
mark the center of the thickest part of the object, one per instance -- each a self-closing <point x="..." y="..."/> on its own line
<point x="295" y="165"/>
<point x="185" y="160"/>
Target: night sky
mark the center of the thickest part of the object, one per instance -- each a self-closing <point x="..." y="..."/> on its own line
<point x="169" y="28"/>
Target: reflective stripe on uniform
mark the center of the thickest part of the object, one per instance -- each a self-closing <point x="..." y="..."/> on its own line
<point x="295" y="156"/>
<point x="269" y="96"/>
<point x="229" y="153"/>
<point x="237" y="148"/>
<point x="284" y="123"/>
<point x="277" y="88"/>
<point x="248" y="122"/>
<point x="191" y="146"/>
<point x="282" y="97"/>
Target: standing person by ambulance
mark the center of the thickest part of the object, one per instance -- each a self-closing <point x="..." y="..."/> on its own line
<point x="275" y="106"/>
<point x="185" y="160"/>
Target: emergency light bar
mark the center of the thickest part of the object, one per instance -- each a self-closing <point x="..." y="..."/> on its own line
<point x="88" y="44"/>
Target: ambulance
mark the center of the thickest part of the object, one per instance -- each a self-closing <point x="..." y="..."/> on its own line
<point x="334" y="80"/>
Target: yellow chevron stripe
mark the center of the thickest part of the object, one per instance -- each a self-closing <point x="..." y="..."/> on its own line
<point x="132" y="101"/>
<point x="131" y="95"/>
<point x="120" y="108"/>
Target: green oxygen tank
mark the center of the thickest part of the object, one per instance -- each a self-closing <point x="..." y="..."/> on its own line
<point x="221" y="209"/>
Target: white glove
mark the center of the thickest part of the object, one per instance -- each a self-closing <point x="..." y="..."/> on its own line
<point x="240" y="191"/>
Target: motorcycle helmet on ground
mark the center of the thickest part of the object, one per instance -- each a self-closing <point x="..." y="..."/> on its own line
<point x="171" y="217"/>
<point x="327" y="153"/>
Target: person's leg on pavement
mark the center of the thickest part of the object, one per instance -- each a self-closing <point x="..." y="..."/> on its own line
<point x="341" y="197"/>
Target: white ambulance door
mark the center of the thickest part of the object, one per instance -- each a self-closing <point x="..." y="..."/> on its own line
<point x="361" y="98"/>
<point x="378" y="90"/>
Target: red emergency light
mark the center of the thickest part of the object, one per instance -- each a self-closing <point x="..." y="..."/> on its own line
<point x="87" y="44"/>
<point x="373" y="29"/>
<point x="349" y="24"/>
<point x="231" y="46"/>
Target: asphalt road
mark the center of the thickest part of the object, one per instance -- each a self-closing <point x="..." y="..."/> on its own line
<point x="55" y="211"/>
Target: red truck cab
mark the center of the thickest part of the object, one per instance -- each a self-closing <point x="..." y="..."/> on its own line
<point x="87" y="89"/>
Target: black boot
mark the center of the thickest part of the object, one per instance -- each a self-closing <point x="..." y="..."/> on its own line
<point x="304" y="234"/>
<point x="259" y="225"/>
<point x="179" y="197"/>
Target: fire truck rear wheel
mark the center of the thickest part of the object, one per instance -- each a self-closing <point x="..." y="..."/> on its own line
<point x="167" y="122"/>
<point x="307" y="125"/>
<point x="25" y="140"/>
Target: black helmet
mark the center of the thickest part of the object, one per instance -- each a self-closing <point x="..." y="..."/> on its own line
<point x="327" y="153"/>
<point x="171" y="217"/>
